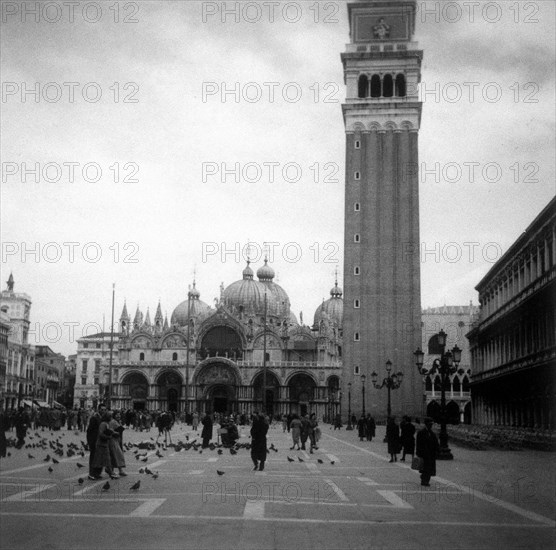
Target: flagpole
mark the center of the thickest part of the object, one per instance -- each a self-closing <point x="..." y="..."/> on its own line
<point x="109" y="400"/>
<point x="264" y="355"/>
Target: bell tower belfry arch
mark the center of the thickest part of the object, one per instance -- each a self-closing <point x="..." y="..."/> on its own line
<point x="382" y="116"/>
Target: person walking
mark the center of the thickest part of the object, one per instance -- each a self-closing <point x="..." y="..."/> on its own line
<point x="195" y="421"/>
<point x="407" y="434"/>
<point x="259" y="430"/>
<point x="21" y="424"/>
<point x="304" y="431"/>
<point x="361" y="427"/>
<point x="115" y="444"/>
<point x="295" y="428"/>
<point x="338" y="422"/>
<point x="313" y="427"/>
<point x="393" y="438"/>
<point x="427" y="448"/>
<point x="206" y="434"/>
<point x="370" y="427"/>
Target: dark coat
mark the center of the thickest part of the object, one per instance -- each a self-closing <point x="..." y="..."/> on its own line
<point x="393" y="437"/>
<point x="207" y="428"/>
<point x="92" y="430"/>
<point x="407" y="430"/>
<point x="371" y="426"/>
<point x="427" y="449"/>
<point x="362" y="427"/>
<point x="259" y="430"/>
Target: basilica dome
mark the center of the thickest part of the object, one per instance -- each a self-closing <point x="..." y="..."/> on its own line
<point x="197" y="308"/>
<point x="333" y="308"/>
<point x="248" y="296"/>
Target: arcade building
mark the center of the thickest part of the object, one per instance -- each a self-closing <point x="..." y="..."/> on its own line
<point x="217" y="359"/>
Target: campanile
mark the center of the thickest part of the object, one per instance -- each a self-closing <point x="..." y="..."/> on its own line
<point x="382" y="115"/>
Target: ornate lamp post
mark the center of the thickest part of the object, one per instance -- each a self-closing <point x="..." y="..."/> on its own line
<point x="349" y="426"/>
<point x="392" y="382"/>
<point x="446" y="365"/>
<point x="363" y="378"/>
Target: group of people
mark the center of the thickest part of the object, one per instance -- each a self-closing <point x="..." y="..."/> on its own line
<point x="303" y="429"/>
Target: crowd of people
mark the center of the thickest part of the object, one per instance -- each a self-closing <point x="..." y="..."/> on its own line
<point x="104" y="430"/>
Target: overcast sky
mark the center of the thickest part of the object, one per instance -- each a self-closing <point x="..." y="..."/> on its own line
<point x="138" y="113"/>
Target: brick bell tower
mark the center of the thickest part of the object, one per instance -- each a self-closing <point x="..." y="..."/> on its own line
<point x="382" y="295"/>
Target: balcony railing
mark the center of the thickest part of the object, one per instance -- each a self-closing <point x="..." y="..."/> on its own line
<point x="381" y="47"/>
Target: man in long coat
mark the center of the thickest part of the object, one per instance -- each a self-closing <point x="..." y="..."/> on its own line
<point x="92" y="436"/>
<point x="427" y="448"/>
<point x="259" y="430"/>
<point x="206" y="434"/>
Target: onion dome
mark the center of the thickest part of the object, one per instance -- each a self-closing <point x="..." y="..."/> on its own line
<point x="197" y="308"/>
<point x="333" y="308"/>
<point x="265" y="273"/>
<point x="248" y="295"/>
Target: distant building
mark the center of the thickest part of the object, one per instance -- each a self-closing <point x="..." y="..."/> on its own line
<point x="4" y="331"/>
<point x="49" y="373"/>
<point x="456" y="322"/>
<point x="513" y="339"/>
<point x="20" y="366"/>
<point x="91" y="368"/>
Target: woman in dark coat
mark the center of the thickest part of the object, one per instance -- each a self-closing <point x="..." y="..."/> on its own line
<point x="427" y="449"/>
<point x="259" y="430"/>
<point x="102" y="459"/>
<point x="393" y="439"/>
<point x="206" y="434"/>
<point x="407" y="430"/>
<point x="361" y="428"/>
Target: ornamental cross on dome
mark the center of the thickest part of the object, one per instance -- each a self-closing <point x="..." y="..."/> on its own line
<point x="381" y="30"/>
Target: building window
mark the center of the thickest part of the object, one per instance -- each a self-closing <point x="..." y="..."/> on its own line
<point x="356" y="370"/>
<point x="357" y="144"/>
<point x="356" y="207"/>
<point x="356" y="270"/>
<point x="83" y="380"/>
<point x="356" y="337"/>
<point x="174" y="356"/>
<point x="357" y="176"/>
<point x="363" y="86"/>
<point x="98" y="346"/>
<point x="97" y="366"/>
<point x="356" y="238"/>
<point x="141" y="356"/>
<point x="96" y="381"/>
<point x="356" y="303"/>
<point x="85" y="364"/>
<point x="85" y="346"/>
<point x="376" y="87"/>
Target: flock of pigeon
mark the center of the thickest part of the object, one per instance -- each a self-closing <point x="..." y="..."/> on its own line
<point x="140" y="451"/>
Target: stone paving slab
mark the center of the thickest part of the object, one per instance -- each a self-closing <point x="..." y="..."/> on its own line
<point x="360" y="501"/>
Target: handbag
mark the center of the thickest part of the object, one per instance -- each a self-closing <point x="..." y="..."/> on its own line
<point x="417" y="463"/>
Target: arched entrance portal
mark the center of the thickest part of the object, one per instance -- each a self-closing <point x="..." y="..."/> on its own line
<point x="169" y="390"/>
<point x="217" y="382"/>
<point x="272" y="392"/>
<point x="136" y="387"/>
<point x="301" y="388"/>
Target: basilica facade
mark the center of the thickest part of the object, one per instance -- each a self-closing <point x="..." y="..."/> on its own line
<point x="222" y="358"/>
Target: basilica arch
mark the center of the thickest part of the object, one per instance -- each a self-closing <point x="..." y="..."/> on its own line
<point x="272" y="391"/>
<point x="169" y="390"/>
<point x="216" y="381"/>
<point x="302" y="390"/>
<point x="135" y="390"/>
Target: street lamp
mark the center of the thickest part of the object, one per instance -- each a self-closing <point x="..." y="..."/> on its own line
<point x="363" y="377"/>
<point x="392" y="382"/>
<point x="446" y="365"/>
<point x="349" y="426"/>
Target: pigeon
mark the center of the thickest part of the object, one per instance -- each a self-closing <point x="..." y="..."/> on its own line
<point x="300" y="459"/>
<point x="79" y="465"/>
<point x="54" y="461"/>
<point x="219" y="451"/>
<point x="290" y="459"/>
<point x="144" y="459"/>
<point x="136" y="485"/>
<point x="50" y="469"/>
<point x="155" y="475"/>
<point x="47" y="458"/>
<point x="147" y="471"/>
<point x="158" y="454"/>
<point x="30" y="455"/>
<point x="106" y="486"/>
<point x="332" y="462"/>
<point x="233" y="452"/>
<point x="141" y="470"/>
<point x="80" y="481"/>
<point x="219" y="472"/>
<point x="319" y="461"/>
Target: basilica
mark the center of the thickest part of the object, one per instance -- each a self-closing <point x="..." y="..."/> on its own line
<point x="222" y="359"/>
